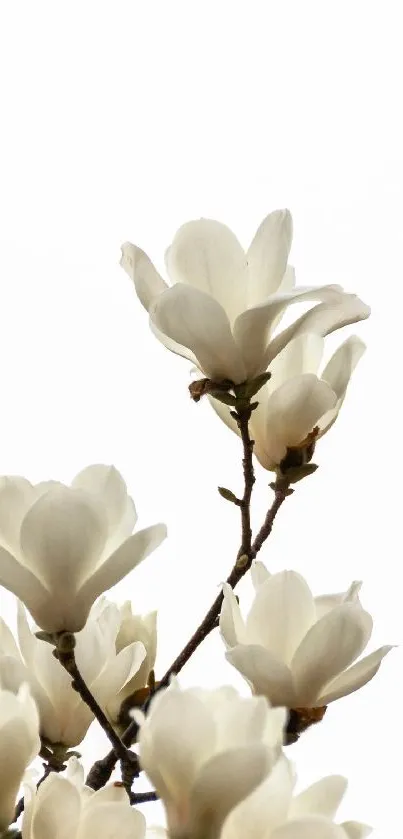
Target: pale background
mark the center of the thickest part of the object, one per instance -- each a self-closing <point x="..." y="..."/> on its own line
<point x="121" y="121"/>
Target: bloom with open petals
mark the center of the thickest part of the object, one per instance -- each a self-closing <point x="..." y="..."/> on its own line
<point x="19" y="745"/>
<point x="273" y="812"/>
<point x="296" y="399"/>
<point x="224" y="304"/>
<point x="204" y="751"/>
<point x="64" y="717"/>
<point x="62" y="546"/>
<point x="296" y="649"/>
<point x="63" y="807"/>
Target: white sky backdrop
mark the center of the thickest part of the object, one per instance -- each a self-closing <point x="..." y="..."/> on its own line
<point x="121" y="121"/>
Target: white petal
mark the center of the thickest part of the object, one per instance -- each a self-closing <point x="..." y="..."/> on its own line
<point x="222" y="783"/>
<point x="206" y="254"/>
<point x="281" y="614"/>
<point x="224" y="412"/>
<point x="292" y="412"/>
<point x="355" y="677"/>
<point x="61" y="538"/>
<point x="330" y="646"/>
<point x="322" y="319"/>
<point x="356" y="830"/>
<point x="57" y="809"/>
<point x="322" y="798"/>
<point x="101" y="822"/>
<point x="138" y="266"/>
<point x="232" y="625"/>
<point x="106" y="484"/>
<point x="22" y="582"/>
<point x="309" y="827"/>
<point x="252" y="329"/>
<point x="265" y="808"/>
<point x="259" y="574"/>
<point x="267" y="676"/>
<point x="8" y="645"/>
<point x="171" y="761"/>
<point x="131" y="553"/>
<point x="267" y="256"/>
<point x="16" y="497"/>
<point x="339" y="369"/>
<point x="172" y="345"/>
<point x="197" y="321"/>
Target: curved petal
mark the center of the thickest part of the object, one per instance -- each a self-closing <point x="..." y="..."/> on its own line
<point x="206" y="254"/>
<point x="355" y="677"/>
<point x="121" y="562"/>
<point x="323" y="319"/>
<point x="8" y="645"/>
<point x="342" y="364"/>
<point x="266" y="807"/>
<point x="140" y="269"/>
<point x="267" y="676"/>
<point x="259" y="574"/>
<point x="107" y="486"/>
<point x="329" y="647"/>
<point x="232" y="625"/>
<point x="292" y="412"/>
<point x="309" y="827"/>
<point x="101" y="822"/>
<point x="172" y="345"/>
<point x="223" y="782"/>
<point x="356" y="830"/>
<point x="281" y="614"/>
<point x="62" y="537"/>
<point x="224" y="412"/>
<point x="197" y="321"/>
<point x="171" y="762"/>
<point x="56" y="810"/>
<point x="16" y="496"/>
<point x="322" y="798"/>
<point x="252" y="329"/>
<point x="267" y="256"/>
<point x="22" y="582"/>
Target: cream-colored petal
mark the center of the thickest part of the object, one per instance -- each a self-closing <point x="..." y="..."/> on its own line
<point x="356" y="830"/>
<point x="281" y="614"/>
<point x="206" y="254"/>
<point x="128" y="555"/>
<point x="308" y="827"/>
<point x="266" y="807"/>
<point x="232" y="625"/>
<point x="330" y="646"/>
<point x="355" y="677"/>
<point x="197" y="321"/>
<point x="107" y="486"/>
<point x="267" y="256"/>
<point x="266" y="675"/>
<point x="323" y="798"/>
<point x="339" y="310"/>
<point x="259" y="574"/>
<point x="148" y="282"/>
<point x="222" y="783"/>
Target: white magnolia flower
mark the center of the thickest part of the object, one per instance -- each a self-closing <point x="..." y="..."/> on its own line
<point x="64" y="717"/>
<point x="204" y="751"/>
<point x="63" y="807"/>
<point x="224" y="304"/>
<point x="296" y="649"/>
<point x="140" y="628"/>
<point x="19" y="745"/>
<point x="272" y="812"/>
<point x="296" y="399"/>
<point x="62" y="546"/>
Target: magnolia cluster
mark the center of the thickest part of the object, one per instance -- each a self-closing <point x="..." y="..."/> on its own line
<point x="214" y="758"/>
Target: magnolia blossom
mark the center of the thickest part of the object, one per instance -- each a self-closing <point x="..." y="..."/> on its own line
<point x="137" y="628"/>
<point x="272" y="812"/>
<point x="296" y="399"/>
<point x="204" y="751"/>
<point x="63" y="807"/>
<point x="62" y="546"/>
<point x="19" y="745"/>
<point x="224" y="305"/>
<point x="64" y="717"/>
<point x="297" y="649"/>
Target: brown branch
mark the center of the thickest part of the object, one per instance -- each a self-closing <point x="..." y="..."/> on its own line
<point x="143" y="797"/>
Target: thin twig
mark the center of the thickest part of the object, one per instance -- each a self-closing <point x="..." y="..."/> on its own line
<point x="102" y="769"/>
<point x="143" y="797"/>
